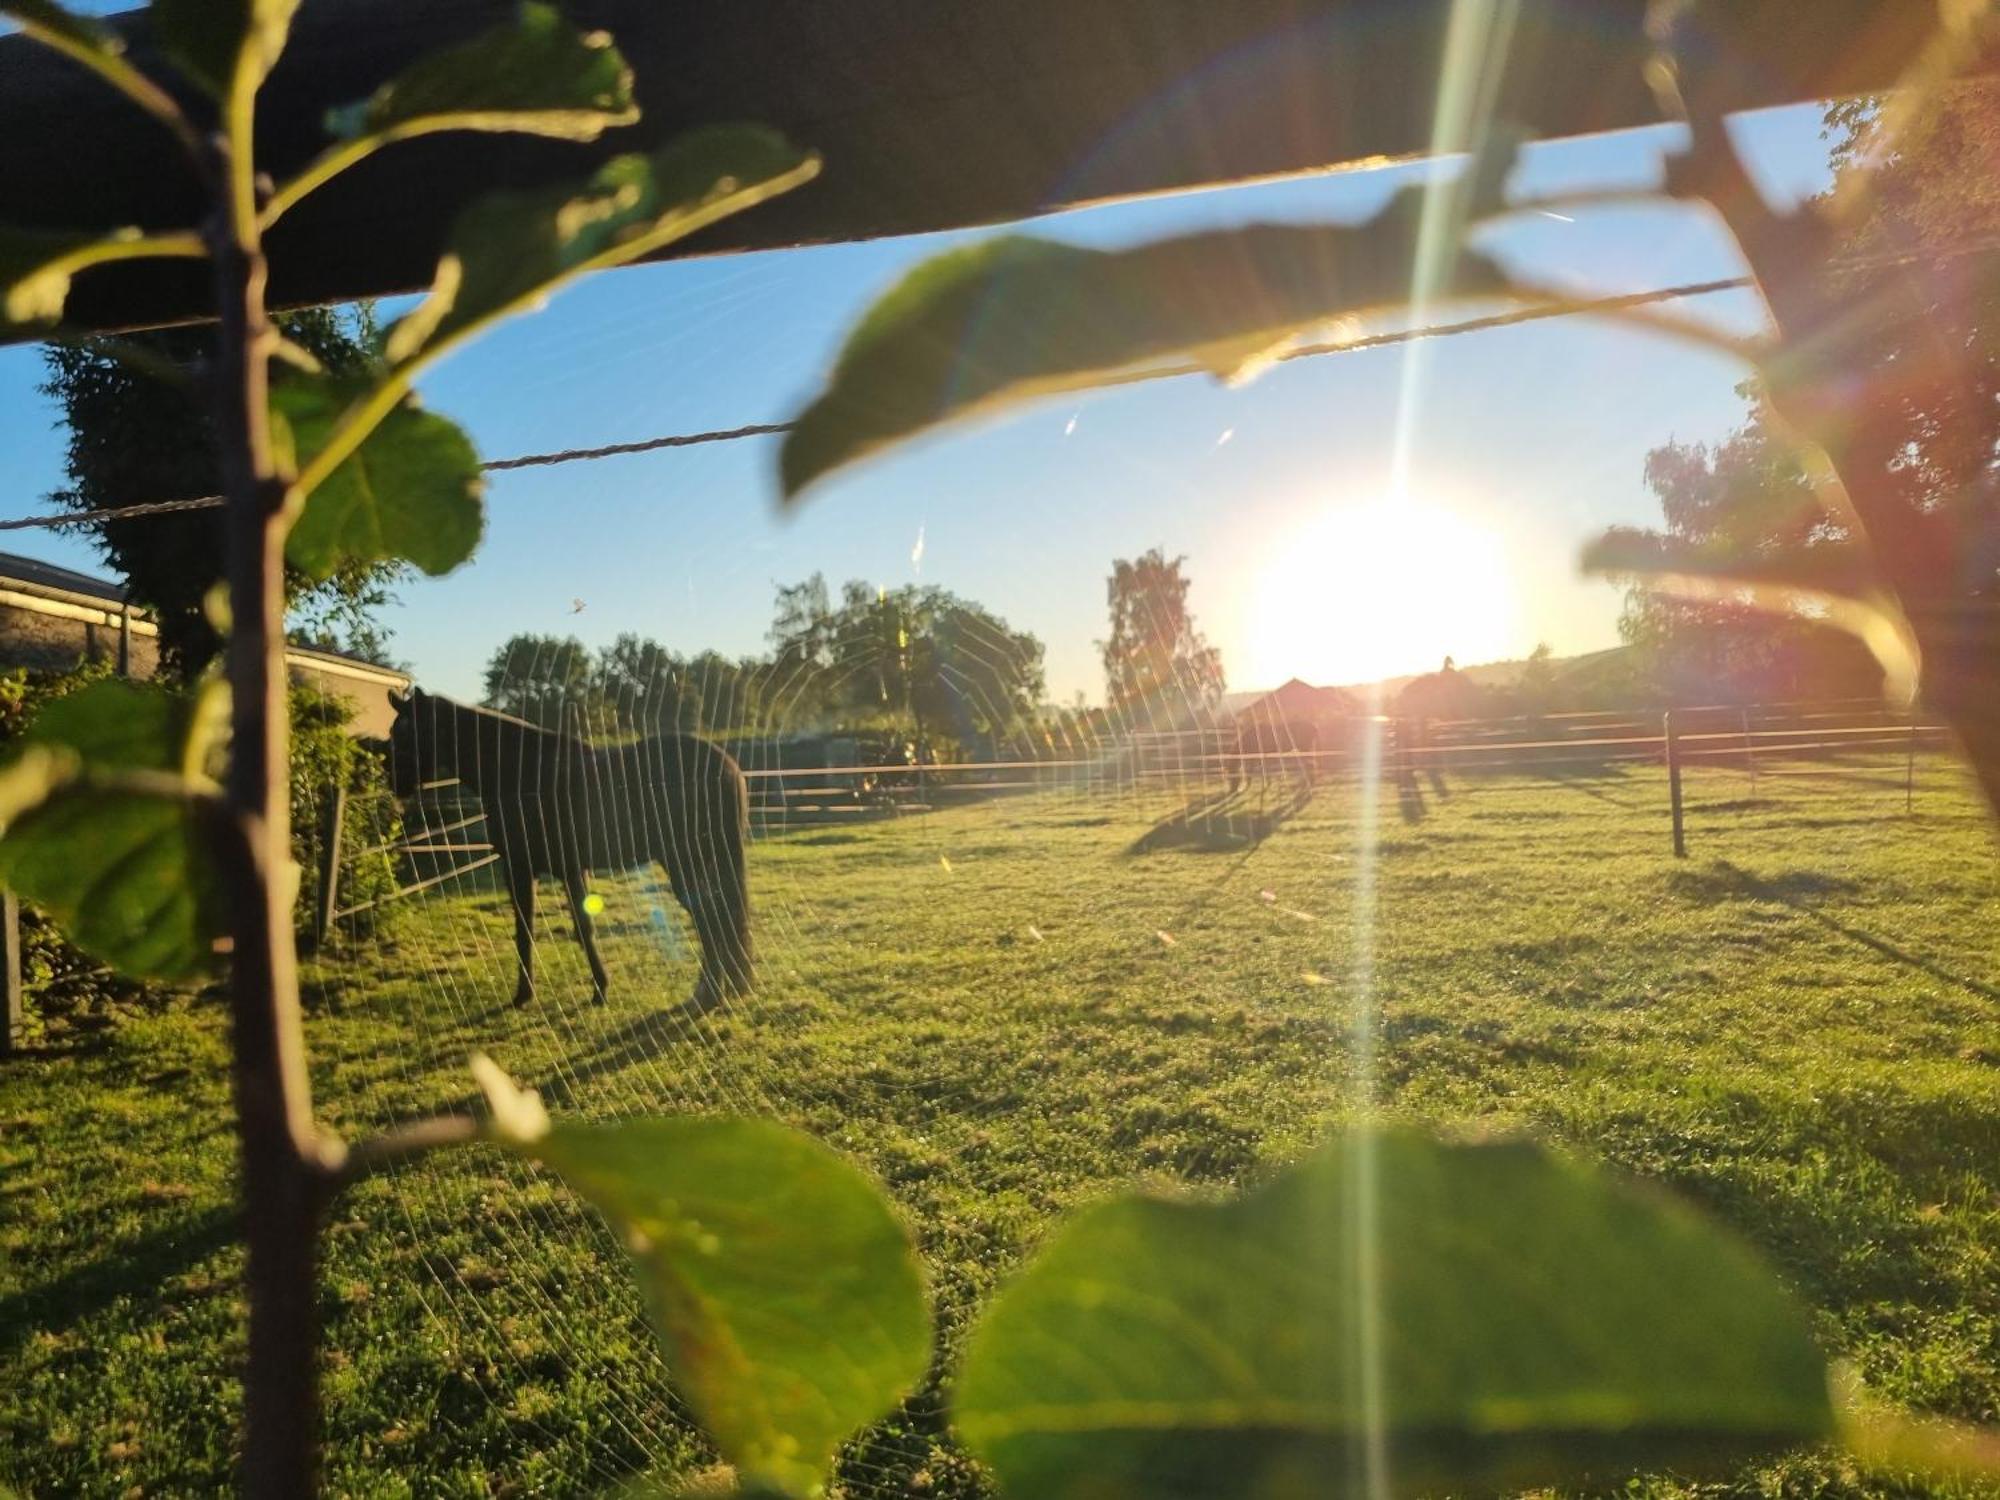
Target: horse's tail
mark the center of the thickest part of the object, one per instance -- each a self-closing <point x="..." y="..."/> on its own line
<point x="722" y="921"/>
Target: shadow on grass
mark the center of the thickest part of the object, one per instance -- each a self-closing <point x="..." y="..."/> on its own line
<point x="1798" y="890"/>
<point x="136" y="1269"/>
<point x="1223" y="822"/>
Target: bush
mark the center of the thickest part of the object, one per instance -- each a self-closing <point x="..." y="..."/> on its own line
<point x="67" y="990"/>
<point x="325" y="756"/>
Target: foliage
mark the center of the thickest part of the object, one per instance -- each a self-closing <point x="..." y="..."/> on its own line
<point x="920" y="660"/>
<point x="411" y="493"/>
<point x="325" y="755"/>
<point x="548" y="680"/>
<point x="950" y="670"/>
<point x="1157" y="666"/>
<point x="63" y="986"/>
<point x="135" y="437"/>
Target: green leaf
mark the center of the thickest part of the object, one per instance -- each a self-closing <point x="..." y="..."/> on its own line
<point x="538" y="74"/>
<point x="116" y="725"/>
<point x="787" y="1294"/>
<point x="223" y="43"/>
<point x="509" y="250"/>
<point x="113" y="848"/>
<point x="1531" y="1323"/>
<point x="979" y="329"/>
<point x="36" y="265"/>
<point x="124" y="873"/>
<point x="412" y="490"/>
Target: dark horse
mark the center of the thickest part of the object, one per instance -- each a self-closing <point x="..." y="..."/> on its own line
<point x="557" y="805"/>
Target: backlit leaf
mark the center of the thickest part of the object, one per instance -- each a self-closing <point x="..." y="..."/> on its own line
<point x="1831" y="585"/>
<point x="538" y="74"/>
<point x="990" y="326"/>
<point x="36" y="266"/>
<point x="1515" y="1321"/>
<point x="786" y="1292"/>
<point x="509" y="250"/>
<point x="412" y="490"/>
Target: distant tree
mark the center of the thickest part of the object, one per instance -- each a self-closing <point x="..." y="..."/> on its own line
<point x="550" y="681"/>
<point x="138" y="420"/>
<point x="1743" y="498"/>
<point x="948" y="668"/>
<point x="1535" y="691"/>
<point x="915" y="658"/>
<point x="1157" y="666"/>
<point x="1444" y="694"/>
<point x="644" y="685"/>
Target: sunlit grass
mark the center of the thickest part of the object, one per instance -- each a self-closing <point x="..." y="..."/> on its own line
<point x="1800" y="1026"/>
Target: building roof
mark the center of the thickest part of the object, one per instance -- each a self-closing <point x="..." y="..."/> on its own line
<point x="15" y="568"/>
<point x="18" y="574"/>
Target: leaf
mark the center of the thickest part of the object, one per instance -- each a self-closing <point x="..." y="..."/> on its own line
<point x="36" y="265"/>
<point x="510" y="249"/>
<point x="787" y="1294"/>
<point x="116" y="856"/>
<point x="124" y="873"/>
<point x="222" y="44"/>
<point x="1832" y="585"/>
<point x="1532" y="1324"/>
<point x="115" y="725"/>
<point x="412" y="490"/>
<point x="538" y="74"/>
<point x="990" y="326"/>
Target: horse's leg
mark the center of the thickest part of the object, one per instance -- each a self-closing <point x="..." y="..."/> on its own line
<point x="521" y="892"/>
<point x="586" y="929"/>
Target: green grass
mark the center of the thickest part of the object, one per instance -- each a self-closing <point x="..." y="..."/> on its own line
<point x="1002" y="1010"/>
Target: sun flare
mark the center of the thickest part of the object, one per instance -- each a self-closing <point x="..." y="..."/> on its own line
<point x="1378" y="588"/>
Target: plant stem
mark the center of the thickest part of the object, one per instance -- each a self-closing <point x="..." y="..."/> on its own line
<point x="282" y="1179"/>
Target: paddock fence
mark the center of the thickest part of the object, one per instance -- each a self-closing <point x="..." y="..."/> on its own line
<point x="441" y="843"/>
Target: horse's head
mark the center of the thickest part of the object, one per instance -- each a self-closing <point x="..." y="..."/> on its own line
<point x="413" y="743"/>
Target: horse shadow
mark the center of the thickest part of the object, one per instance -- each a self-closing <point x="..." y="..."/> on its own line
<point x="1222" y="822"/>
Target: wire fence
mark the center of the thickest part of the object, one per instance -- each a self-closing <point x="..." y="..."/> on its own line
<point x="441" y="844"/>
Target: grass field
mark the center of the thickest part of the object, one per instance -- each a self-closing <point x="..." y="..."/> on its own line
<point x="1002" y="1009"/>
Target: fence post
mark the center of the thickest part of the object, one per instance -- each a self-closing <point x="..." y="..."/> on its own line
<point x="1750" y="753"/>
<point x="1674" y="783"/>
<point x="10" y="972"/>
<point x="329" y="862"/>
<point x="1910" y="772"/>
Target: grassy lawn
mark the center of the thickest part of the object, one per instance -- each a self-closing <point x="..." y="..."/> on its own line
<point x="1003" y="1009"/>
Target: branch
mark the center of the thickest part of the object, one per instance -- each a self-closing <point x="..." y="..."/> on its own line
<point x="342" y="1164"/>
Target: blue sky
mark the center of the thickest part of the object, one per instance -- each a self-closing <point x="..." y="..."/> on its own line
<point x="1526" y="442"/>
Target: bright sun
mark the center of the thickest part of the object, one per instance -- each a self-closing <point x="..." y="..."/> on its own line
<point x="1380" y="588"/>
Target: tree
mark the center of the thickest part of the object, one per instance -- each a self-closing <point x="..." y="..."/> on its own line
<point x="1157" y="666"/>
<point x="135" y="437"/>
<point x="948" y="668"/>
<point x="642" y="684"/>
<point x="1743" y="498"/>
<point x="1909" y="376"/>
<point x="551" y="681"/>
